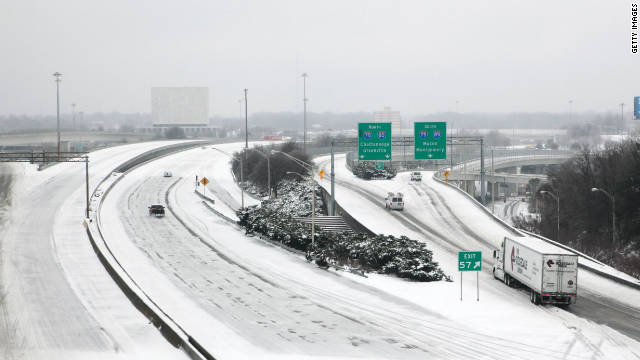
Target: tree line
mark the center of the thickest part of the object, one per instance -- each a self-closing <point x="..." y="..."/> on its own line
<point x="586" y="221"/>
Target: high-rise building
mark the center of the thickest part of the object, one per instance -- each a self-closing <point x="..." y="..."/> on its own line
<point x="388" y="115"/>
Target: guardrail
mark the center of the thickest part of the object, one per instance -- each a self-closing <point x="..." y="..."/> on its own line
<point x="172" y="331"/>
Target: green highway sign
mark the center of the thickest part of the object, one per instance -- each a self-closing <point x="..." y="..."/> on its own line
<point x="470" y="261"/>
<point x="430" y="139"/>
<point x="374" y="141"/>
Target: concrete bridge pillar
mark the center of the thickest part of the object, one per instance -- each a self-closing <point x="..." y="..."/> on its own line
<point x="470" y="187"/>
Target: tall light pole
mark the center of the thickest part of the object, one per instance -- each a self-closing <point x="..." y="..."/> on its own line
<point x="241" y="175"/>
<point x="73" y="106"/>
<point x="246" y="144"/>
<point x="557" y="197"/>
<point x="57" y="76"/>
<point x="613" y="213"/>
<point x="268" y="157"/>
<point x="246" y="122"/>
<point x="304" y="103"/>
<point x="620" y="130"/>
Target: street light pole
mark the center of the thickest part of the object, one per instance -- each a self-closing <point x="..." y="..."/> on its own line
<point x="73" y="106"/>
<point x="483" y="176"/>
<point x="57" y="76"/>
<point x="304" y="101"/>
<point x="557" y="197"/>
<point x="313" y="206"/>
<point x="570" y="105"/>
<point x="613" y="213"/>
<point x="241" y="175"/>
<point x="621" y="118"/>
<point x="246" y="122"/>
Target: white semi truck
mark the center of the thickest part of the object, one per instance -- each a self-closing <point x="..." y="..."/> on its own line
<point x="548" y="271"/>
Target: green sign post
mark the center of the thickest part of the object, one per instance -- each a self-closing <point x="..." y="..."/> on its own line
<point x="374" y="141"/>
<point x="470" y="261"/>
<point x="430" y="139"/>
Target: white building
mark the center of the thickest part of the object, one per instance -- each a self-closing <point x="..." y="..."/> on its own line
<point x="185" y="107"/>
<point x="387" y="115"/>
<point x="180" y="106"/>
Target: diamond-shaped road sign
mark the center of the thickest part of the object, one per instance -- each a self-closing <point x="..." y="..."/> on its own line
<point x="204" y="181"/>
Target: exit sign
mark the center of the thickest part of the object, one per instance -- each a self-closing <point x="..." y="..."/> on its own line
<point x="470" y="261"/>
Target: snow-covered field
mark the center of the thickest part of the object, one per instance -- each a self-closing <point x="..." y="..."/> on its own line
<point x="59" y="301"/>
<point x="242" y="297"/>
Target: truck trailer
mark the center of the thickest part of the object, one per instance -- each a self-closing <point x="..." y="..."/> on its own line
<point x="548" y="271"/>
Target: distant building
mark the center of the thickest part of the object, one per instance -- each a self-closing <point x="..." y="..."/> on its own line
<point x="185" y="107"/>
<point x="387" y="115"/>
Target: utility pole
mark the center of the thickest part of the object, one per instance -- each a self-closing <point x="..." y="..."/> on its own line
<point x="304" y="101"/>
<point x="57" y="76"/>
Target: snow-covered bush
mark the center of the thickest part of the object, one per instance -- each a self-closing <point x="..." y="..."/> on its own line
<point x="367" y="170"/>
<point x="386" y="254"/>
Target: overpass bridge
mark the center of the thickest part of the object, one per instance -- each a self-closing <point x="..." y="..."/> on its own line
<point x="503" y="174"/>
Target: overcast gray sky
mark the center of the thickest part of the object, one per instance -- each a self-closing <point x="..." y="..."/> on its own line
<point x="415" y="56"/>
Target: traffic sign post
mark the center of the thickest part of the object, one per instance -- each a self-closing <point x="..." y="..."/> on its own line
<point x="374" y="141"/>
<point x="204" y="182"/>
<point x="430" y="140"/>
<point x="470" y="261"/>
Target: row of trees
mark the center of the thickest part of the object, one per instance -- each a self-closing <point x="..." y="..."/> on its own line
<point x="586" y="215"/>
<point x="255" y="165"/>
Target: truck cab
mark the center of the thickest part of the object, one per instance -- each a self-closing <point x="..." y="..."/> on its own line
<point x="498" y="265"/>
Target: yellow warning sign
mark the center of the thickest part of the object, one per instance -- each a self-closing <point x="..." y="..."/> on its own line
<point x="321" y="173"/>
<point x="204" y="181"/>
<point x="446" y="173"/>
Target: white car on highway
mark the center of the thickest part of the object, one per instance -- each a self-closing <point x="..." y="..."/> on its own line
<point x="394" y="201"/>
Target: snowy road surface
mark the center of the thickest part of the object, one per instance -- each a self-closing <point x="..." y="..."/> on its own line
<point x="449" y="222"/>
<point x="59" y="301"/>
<point x="242" y="297"/>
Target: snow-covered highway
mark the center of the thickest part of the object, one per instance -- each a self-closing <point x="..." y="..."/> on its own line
<point x="59" y="302"/>
<point x="242" y="297"/>
<point x="448" y="222"/>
